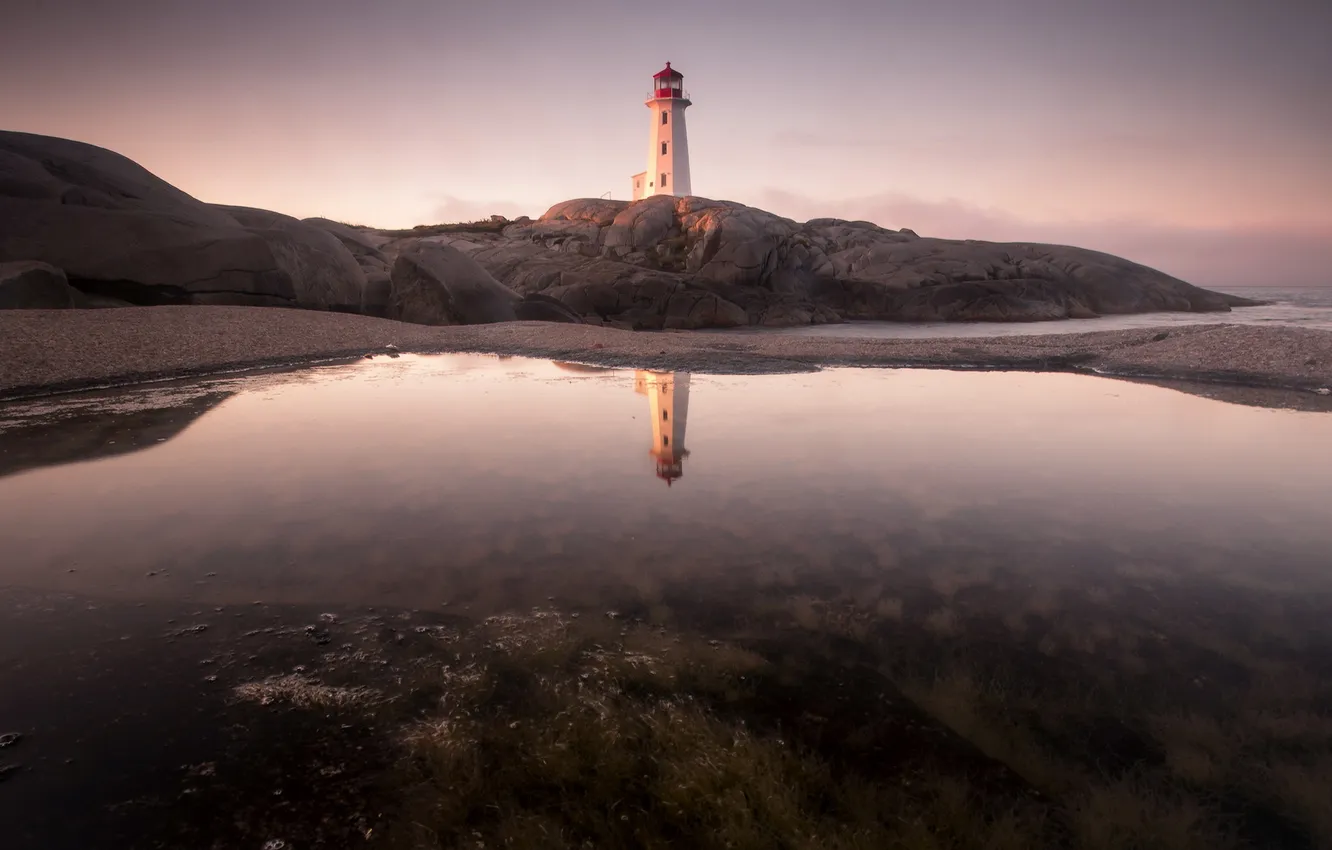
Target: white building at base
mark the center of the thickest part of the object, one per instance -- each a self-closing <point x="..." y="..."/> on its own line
<point x="668" y="143"/>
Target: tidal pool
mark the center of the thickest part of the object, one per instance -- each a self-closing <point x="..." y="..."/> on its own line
<point x="465" y="600"/>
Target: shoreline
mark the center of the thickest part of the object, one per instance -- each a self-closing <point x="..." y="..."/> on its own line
<point x="50" y="352"/>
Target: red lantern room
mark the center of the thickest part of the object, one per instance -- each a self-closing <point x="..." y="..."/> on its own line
<point x="669" y="83"/>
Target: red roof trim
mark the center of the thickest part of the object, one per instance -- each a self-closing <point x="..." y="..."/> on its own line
<point x="668" y="72"/>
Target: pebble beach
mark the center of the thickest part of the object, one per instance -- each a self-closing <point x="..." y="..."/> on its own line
<point x="48" y="351"/>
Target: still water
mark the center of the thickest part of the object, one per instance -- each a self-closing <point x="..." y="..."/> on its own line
<point x="259" y="609"/>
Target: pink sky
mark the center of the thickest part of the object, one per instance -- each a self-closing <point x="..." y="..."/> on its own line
<point x="1193" y="135"/>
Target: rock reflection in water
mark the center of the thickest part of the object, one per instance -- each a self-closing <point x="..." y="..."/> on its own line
<point x="54" y="433"/>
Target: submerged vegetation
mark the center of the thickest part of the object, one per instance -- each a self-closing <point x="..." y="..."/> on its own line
<point x="958" y="712"/>
<point x="557" y="736"/>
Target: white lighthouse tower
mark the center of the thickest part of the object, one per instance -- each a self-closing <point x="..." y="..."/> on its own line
<point x="668" y="152"/>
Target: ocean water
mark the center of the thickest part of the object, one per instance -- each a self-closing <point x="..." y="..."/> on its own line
<point x="1304" y="307"/>
<point x="435" y="601"/>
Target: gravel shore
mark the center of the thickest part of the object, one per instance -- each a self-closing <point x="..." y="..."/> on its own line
<point x="45" y="351"/>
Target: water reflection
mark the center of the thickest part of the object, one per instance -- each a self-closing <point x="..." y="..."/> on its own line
<point x="338" y="484"/>
<point x="1055" y="605"/>
<point x="668" y="408"/>
<point x="92" y="427"/>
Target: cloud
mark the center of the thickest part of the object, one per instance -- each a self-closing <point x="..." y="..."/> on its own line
<point x="448" y="210"/>
<point x="1223" y="256"/>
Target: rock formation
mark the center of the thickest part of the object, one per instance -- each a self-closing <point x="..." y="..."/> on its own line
<point x="435" y="284"/>
<point x="34" y="286"/>
<point x="120" y="235"/>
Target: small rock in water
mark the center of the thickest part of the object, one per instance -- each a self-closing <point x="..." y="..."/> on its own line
<point x="275" y="844"/>
<point x="189" y="630"/>
<point x="328" y="618"/>
<point x="1323" y="391"/>
<point x="9" y="739"/>
<point x="390" y="347"/>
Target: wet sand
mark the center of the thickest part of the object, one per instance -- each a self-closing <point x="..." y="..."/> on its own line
<point x="45" y="351"/>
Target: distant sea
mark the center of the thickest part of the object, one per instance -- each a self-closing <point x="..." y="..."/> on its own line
<point x="1303" y="307"/>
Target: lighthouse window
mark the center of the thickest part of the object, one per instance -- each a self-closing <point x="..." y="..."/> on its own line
<point x="665" y="415"/>
<point x="665" y="441"/>
<point x="664" y="116"/>
<point x="663" y="148"/>
<point x="663" y="178"/>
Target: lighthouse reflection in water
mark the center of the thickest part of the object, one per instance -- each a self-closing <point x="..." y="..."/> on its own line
<point x="668" y="405"/>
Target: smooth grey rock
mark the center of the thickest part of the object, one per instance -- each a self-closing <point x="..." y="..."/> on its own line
<point x="70" y="173"/>
<point x="34" y="286"/>
<point x="361" y="243"/>
<point x="324" y="273"/>
<point x="116" y="230"/>
<point x="378" y="294"/>
<point x="642" y="224"/>
<point x="434" y="284"/>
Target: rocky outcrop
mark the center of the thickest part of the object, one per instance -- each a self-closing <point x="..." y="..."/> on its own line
<point x="435" y="284"/>
<point x="323" y="272"/>
<point x="34" y="286"/>
<point x="116" y="230"/>
<point x="121" y="235"/>
<point x="365" y="248"/>
<point x="781" y="272"/>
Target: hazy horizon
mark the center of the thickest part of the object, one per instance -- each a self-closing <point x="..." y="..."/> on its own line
<point x="1189" y="135"/>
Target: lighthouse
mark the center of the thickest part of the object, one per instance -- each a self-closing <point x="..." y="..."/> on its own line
<point x="668" y="408"/>
<point x="668" y="144"/>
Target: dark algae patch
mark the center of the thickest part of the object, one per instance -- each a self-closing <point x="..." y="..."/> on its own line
<point x="804" y="721"/>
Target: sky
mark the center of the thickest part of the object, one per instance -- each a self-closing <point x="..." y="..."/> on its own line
<point x="1192" y="135"/>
